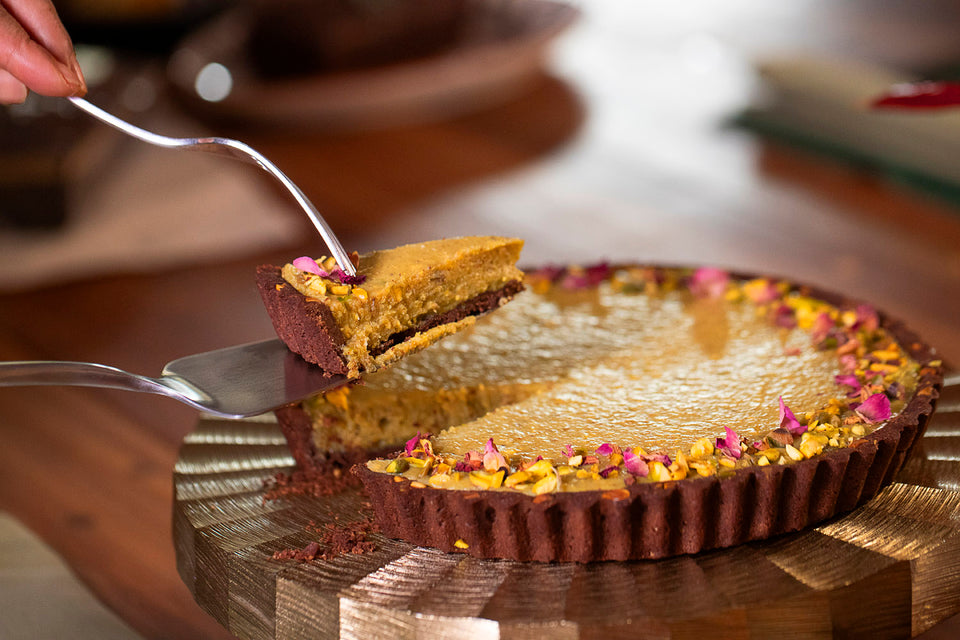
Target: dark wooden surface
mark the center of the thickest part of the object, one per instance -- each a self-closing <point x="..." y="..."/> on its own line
<point x="619" y="151"/>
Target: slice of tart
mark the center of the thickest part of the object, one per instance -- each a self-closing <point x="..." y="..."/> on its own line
<point x="612" y="414"/>
<point x="400" y="301"/>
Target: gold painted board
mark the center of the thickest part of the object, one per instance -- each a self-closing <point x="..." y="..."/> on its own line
<point x="890" y="569"/>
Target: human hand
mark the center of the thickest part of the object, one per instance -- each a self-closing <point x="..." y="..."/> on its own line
<point x="36" y="52"/>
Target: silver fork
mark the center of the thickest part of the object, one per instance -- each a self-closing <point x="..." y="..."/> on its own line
<point x="234" y="149"/>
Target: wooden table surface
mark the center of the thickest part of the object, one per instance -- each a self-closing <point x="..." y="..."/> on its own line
<point x="618" y="151"/>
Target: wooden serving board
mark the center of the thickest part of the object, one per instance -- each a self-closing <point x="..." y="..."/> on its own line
<point x="890" y="569"/>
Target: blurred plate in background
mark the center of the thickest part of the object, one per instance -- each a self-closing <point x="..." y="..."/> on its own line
<point x="495" y="52"/>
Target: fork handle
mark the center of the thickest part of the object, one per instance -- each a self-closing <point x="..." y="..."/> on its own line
<point x="234" y="149"/>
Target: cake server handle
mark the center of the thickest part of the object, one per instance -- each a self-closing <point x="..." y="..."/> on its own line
<point x="233" y="382"/>
<point x="234" y="149"/>
<point x="88" y="374"/>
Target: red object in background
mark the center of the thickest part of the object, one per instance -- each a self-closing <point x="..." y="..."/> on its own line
<point x="919" y="95"/>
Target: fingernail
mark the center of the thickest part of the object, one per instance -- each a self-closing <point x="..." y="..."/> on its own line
<point x="74" y="81"/>
<point x="81" y="81"/>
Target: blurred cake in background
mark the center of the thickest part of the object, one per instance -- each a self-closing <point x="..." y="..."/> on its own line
<point x="294" y="37"/>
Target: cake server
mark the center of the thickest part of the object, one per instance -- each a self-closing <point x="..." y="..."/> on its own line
<point x="234" y="149"/>
<point x="235" y="382"/>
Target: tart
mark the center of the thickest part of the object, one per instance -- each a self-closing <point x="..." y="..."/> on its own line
<point x="633" y="412"/>
<point x="400" y="300"/>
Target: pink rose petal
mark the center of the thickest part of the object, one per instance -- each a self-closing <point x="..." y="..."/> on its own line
<point x="343" y="277"/>
<point x="789" y="421"/>
<point x="783" y="316"/>
<point x="848" y="363"/>
<point x="763" y="294"/>
<point x="413" y="442"/>
<point x="605" y="449"/>
<point x="730" y="443"/>
<point x="659" y="457"/>
<point x="551" y="273"/>
<point x="851" y="381"/>
<point x="876" y="408"/>
<point x="867" y="318"/>
<point x="635" y="464"/>
<point x="586" y="278"/>
<point x="823" y="326"/>
<point x="308" y="264"/>
<point x="708" y="282"/>
<point x="492" y="458"/>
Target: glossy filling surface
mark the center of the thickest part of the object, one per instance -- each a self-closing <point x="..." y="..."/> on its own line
<point x="679" y="368"/>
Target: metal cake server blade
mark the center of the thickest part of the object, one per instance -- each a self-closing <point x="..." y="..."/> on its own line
<point x="235" y="382"/>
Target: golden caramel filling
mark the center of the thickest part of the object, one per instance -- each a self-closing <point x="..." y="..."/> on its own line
<point x="684" y="370"/>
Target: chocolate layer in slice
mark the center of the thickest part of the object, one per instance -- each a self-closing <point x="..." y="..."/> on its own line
<point x="402" y="300"/>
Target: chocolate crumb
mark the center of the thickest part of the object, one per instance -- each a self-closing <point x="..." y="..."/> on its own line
<point x="314" y="482"/>
<point x="306" y="554"/>
<point x="336" y="539"/>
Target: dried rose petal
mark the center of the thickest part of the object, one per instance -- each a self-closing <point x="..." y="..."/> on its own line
<point x="308" y="264"/>
<point x="412" y="443"/>
<point x="635" y="464"/>
<point x="708" y="282"/>
<point x="343" y="277"/>
<point x="848" y="363"/>
<point x="730" y="443"/>
<point x="585" y="278"/>
<point x="789" y="421"/>
<point x="607" y="471"/>
<point x="568" y="451"/>
<point x="867" y="318"/>
<point x="551" y="273"/>
<point x="783" y="316"/>
<point x="849" y="380"/>
<point x="426" y="445"/>
<point x="762" y="291"/>
<point x="492" y="458"/>
<point x="659" y="457"/>
<point x="823" y="326"/>
<point x="876" y="408"/>
<point x="896" y="391"/>
<point x="597" y="273"/>
<point x="605" y="449"/>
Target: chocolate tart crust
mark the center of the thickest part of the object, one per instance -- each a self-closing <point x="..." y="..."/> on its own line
<point x="308" y="328"/>
<point x="657" y="520"/>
